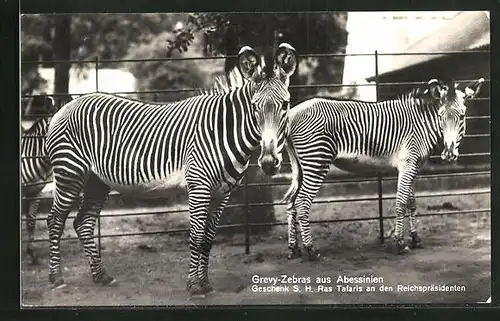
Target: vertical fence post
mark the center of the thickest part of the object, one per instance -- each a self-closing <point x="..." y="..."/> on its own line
<point x="96" y="73"/>
<point x="376" y="76"/>
<point x="379" y="175"/>
<point x="247" y="214"/>
<point x="99" y="216"/>
<point x="380" y="208"/>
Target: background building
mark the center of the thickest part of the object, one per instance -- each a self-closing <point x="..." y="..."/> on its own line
<point x="423" y="32"/>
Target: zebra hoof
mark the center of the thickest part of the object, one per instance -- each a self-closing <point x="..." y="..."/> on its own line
<point x="58" y="287"/>
<point x="404" y="250"/>
<point x="312" y="255"/>
<point x="197" y="296"/>
<point x="104" y="280"/>
<point x="57" y="281"/>
<point x="416" y="242"/>
<point x="398" y="247"/>
<point x="58" y="284"/>
<point x="196" y="292"/>
<point x="207" y="288"/>
<point x="113" y="281"/>
<point x="294" y="253"/>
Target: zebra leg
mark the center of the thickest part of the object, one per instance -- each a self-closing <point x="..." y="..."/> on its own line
<point x="390" y="232"/>
<point x="406" y="177"/>
<point x="66" y="190"/>
<point x="293" y="245"/>
<point x="303" y="214"/>
<point x="217" y="207"/>
<point x="311" y="183"/>
<point x="199" y="201"/>
<point x="30" y="226"/>
<point x="94" y="197"/>
<point x="415" y="242"/>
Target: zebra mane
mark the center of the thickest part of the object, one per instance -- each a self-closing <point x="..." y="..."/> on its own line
<point x="225" y="83"/>
<point x="421" y="98"/>
<point x="39" y="127"/>
<point x="417" y="95"/>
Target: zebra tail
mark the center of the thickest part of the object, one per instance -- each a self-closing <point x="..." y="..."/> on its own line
<point x="296" y="173"/>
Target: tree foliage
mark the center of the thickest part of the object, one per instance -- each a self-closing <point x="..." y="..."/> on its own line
<point x="107" y="36"/>
<point x="110" y="36"/>
<point x="34" y="47"/>
<point x="118" y="36"/>
<point x="114" y="36"/>
<point x="161" y="75"/>
<point x="225" y="33"/>
<point x="307" y="32"/>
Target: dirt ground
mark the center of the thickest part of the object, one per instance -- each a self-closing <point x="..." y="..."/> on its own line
<point x="456" y="253"/>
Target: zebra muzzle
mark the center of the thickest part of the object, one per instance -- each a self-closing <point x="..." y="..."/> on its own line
<point x="270" y="164"/>
<point x="450" y="152"/>
<point x="449" y="155"/>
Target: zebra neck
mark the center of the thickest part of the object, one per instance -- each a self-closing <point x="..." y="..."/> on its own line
<point x="431" y="130"/>
<point x="240" y="132"/>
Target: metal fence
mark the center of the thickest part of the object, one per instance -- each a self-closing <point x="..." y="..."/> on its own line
<point x="379" y="178"/>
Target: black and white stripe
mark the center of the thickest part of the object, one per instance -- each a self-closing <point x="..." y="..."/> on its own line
<point x="102" y="141"/>
<point x="35" y="171"/>
<point x="398" y="133"/>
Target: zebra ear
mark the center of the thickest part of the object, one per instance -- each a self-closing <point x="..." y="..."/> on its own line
<point x="49" y="104"/>
<point x="286" y="59"/>
<point x="437" y="89"/>
<point x="248" y="61"/>
<point x="472" y="89"/>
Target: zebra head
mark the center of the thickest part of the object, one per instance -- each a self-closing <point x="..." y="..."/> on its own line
<point x="451" y="112"/>
<point x="270" y="100"/>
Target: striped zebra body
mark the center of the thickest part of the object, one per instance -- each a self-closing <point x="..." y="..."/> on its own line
<point x="35" y="170"/>
<point x="146" y="148"/>
<point x="103" y="141"/>
<point x="358" y="136"/>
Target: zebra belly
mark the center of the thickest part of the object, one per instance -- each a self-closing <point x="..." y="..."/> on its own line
<point x="150" y="189"/>
<point x="363" y="164"/>
<point x="359" y="163"/>
<point x="34" y="185"/>
<point x="32" y="191"/>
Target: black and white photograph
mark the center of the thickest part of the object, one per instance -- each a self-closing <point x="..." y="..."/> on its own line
<point x="255" y="158"/>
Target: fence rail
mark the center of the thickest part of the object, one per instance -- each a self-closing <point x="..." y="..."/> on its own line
<point x="378" y="178"/>
<point x="341" y="179"/>
<point x="291" y="87"/>
<point x="247" y="224"/>
<point x="380" y="197"/>
<point x="255" y="165"/>
<point x="310" y="55"/>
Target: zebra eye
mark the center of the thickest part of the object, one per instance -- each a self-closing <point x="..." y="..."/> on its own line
<point x="285" y="105"/>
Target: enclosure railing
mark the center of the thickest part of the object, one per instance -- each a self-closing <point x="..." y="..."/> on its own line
<point x="379" y="178"/>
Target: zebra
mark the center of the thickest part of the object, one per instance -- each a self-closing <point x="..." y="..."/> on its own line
<point x="101" y="141"/>
<point x="359" y="136"/>
<point x="35" y="170"/>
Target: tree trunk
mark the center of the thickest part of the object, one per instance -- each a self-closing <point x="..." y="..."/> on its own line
<point x="232" y="48"/>
<point x="62" y="46"/>
<point x="294" y="80"/>
<point x="254" y="194"/>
